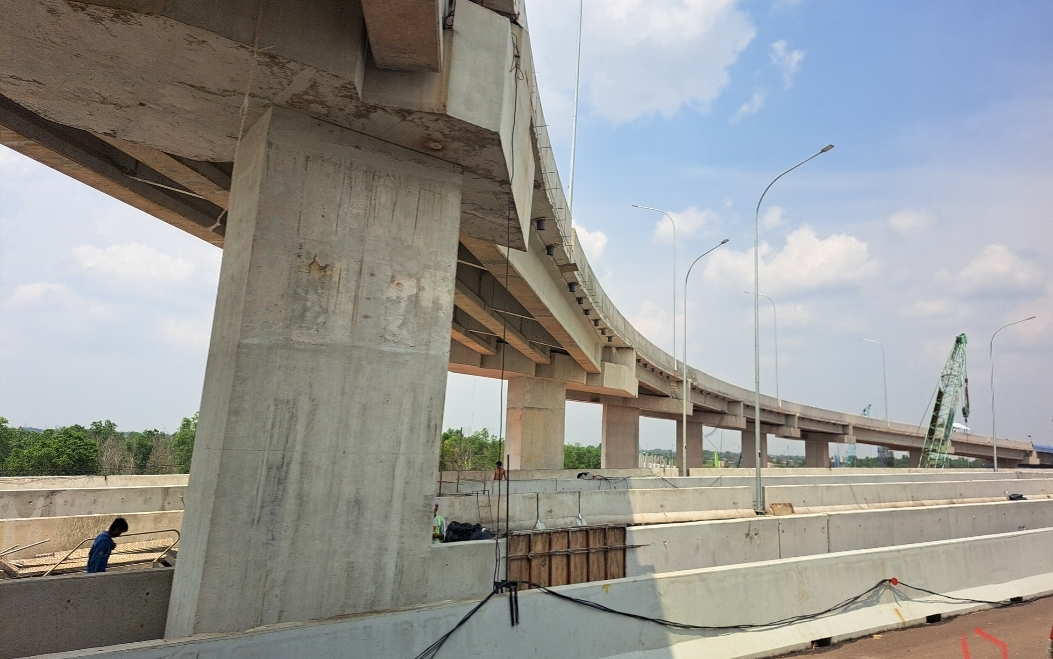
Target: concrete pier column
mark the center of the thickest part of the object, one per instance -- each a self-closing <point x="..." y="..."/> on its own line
<point x="817" y="454"/>
<point x="318" y="444"/>
<point x="536" y="418"/>
<point x="915" y="457"/>
<point x="749" y="451"/>
<point x="694" y="443"/>
<point x="620" y="447"/>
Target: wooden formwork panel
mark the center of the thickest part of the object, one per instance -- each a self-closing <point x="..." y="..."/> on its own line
<point x="558" y="557"/>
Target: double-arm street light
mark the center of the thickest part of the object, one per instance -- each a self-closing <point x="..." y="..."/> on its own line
<point x="884" y="378"/>
<point x="658" y="210"/>
<point x="990" y="356"/>
<point x="759" y="496"/>
<point x="685" y="386"/>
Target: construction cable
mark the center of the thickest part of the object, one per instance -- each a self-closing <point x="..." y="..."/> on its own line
<point x="513" y="588"/>
<point x="517" y="75"/>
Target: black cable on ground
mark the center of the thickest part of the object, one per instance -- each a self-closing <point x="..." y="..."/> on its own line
<point x="513" y="587"/>
<point x="1002" y="604"/>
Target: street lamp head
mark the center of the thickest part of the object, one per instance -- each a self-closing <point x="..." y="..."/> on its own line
<point x="827" y="148"/>
<point x="727" y="239"/>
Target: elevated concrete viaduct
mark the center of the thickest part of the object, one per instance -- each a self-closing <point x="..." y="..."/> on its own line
<point x="380" y="178"/>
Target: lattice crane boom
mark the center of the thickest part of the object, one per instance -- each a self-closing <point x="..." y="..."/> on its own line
<point x="952" y="388"/>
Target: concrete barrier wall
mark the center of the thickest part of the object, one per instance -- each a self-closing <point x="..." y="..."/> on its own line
<point x="451" y="477"/>
<point x="737" y="595"/>
<point x="64" y="533"/>
<point x="561" y="509"/>
<point x="673" y="547"/>
<point x="71" y="612"/>
<point x="64" y="482"/>
<point x="820" y="498"/>
<point x="624" y="483"/>
<point x="90" y="501"/>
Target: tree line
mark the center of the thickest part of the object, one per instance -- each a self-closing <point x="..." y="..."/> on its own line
<point x="481" y="450"/>
<point x="98" y="449"/>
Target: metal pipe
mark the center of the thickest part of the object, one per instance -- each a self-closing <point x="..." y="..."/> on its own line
<point x="759" y="494"/>
<point x="884" y="379"/>
<point x="685" y="390"/>
<point x="990" y="356"/>
<point x="574" y="121"/>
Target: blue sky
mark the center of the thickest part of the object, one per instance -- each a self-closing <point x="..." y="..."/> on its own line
<point x="930" y="217"/>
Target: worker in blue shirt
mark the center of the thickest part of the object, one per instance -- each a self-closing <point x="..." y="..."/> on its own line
<point x="99" y="556"/>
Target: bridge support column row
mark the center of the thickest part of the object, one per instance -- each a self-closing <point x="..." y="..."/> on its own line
<point x="749" y="448"/>
<point x="620" y="447"/>
<point x="915" y="457"/>
<point x="817" y="454"/>
<point x="536" y="419"/>
<point x="325" y="381"/>
<point x="694" y="443"/>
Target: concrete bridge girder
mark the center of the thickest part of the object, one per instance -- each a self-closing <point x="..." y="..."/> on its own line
<point x="476" y="112"/>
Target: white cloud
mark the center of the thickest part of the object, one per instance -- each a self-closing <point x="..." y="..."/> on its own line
<point x="689" y="222"/>
<point x="910" y="222"/>
<point x="751" y="106"/>
<point x="789" y="62"/>
<point x="772" y="218"/>
<point x="133" y="262"/>
<point x="804" y="263"/>
<point x="29" y="294"/>
<point x="929" y="308"/>
<point x="593" y="242"/>
<point x="52" y="298"/>
<point x="639" y="57"/>
<point x="655" y="322"/>
<point x="996" y="268"/>
<point x="187" y="333"/>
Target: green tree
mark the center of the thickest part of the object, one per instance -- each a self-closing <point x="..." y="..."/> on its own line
<point x="101" y="431"/>
<point x="183" y="443"/>
<point x="8" y="437"/>
<point x="67" y="451"/>
<point x="141" y="446"/>
<point x="479" y="451"/>
<point x="576" y="456"/>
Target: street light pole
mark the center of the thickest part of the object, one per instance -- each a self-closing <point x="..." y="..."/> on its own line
<point x="574" y="120"/>
<point x="775" y="322"/>
<point x="685" y="390"/>
<point x="759" y="496"/>
<point x="658" y="210"/>
<point x="884" y="378"/>
<point x="990" y="356"/>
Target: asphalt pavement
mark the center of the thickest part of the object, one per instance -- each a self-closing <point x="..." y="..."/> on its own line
<point x="1016" y="632"/>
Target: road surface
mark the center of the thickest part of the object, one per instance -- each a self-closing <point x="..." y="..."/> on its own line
<point x="1023" y="629"/>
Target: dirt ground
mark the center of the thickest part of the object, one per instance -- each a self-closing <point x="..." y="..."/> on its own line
<point x="1024" y="629"/>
